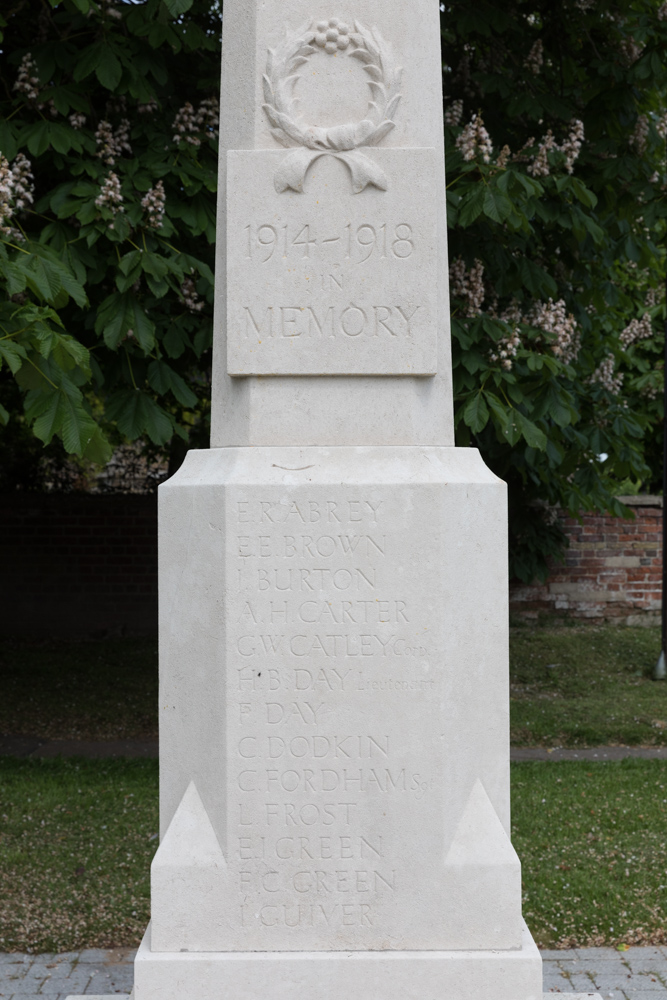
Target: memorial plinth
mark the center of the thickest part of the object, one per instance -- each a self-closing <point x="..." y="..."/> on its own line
<point x="334" y="752"/>
<point x="334" y="730"/>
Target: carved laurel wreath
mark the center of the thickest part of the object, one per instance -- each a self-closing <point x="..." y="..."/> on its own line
<point x="342" y="141"/>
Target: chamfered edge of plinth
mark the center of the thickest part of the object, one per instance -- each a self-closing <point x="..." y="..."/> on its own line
<point x="352" y="465"/>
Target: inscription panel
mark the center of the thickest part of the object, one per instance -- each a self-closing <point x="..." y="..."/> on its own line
<point x="326" y="282"/>
<point x="334" y="725"/>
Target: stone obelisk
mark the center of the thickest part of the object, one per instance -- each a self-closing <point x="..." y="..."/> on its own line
<point x="334" y="759"/>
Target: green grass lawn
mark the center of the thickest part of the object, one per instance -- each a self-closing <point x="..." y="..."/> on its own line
<point x="586" y="686"/>
<point x="77" y="837"/>
<point x="593" y="847"/>
<point x="76" y="842"/>
<point x="579" y="686"/>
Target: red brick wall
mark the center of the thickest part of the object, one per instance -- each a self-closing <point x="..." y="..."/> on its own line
<point x="612" y="569"/>
<point x="78" y="565"/>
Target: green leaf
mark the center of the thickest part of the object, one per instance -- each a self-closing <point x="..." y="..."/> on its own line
<point x="143" y="327"/>
<point x="88" y="59"/>
<point x="77" y="426"/>
<point x="496" y="205"/>
<point x="97" y="448"/>
<point x="203" y="339"/>
<point x="108" y="69"/>
<point x="158" y="288"/>
<point x="43" y="278"/>
<point x="137" y="414"/>
<point x="122" y="315"/>
<point x="12" y="354"/>
<point x="175" y="341"/>
<point x="110" y="320"/>
<point x="512" y="432"/>
<point x="163" y="378"/>
<point x="49" y="277"/>
<point x="45" y="414"/>
<point x="8" y="144"/>
<point x="129" y="261"/>
<point x="596" y="231"/>
<point x="63" y="138"/>
<point x="532" y="434"/>
<point x="472" y="205"/>
<point x="176" y="7"/>
<point x="536" y="279"/>
<point x="476" y="413"/>
<point x="130" y="270"/>
<point x="499" y="411"/>
<point x="584" y="195"/>
<point x="15" y="276"/>
<point x="460" y="332"/>
<point x="154" y="264"/>
<point x="36" y="137"/>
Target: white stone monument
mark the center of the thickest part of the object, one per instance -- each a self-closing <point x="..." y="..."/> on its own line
<point x="334" y="731"/>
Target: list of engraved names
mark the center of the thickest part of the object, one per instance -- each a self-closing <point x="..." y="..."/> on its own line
<point x="325" y="650"/>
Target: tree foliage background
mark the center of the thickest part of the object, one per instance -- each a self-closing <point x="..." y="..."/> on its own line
<point x="556" y="125"/>
<point x="107" y="209"/>
<point x="556" y="118"/>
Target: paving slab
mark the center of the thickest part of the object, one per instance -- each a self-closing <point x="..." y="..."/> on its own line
<point x="641" y="966"/>
<point x="590" y="954"/>
<point x="636" y="951"/>
<point x="101" y="983"/>
<point x="579" y="982"/>
<point x="605" y="966"/>
<point x="22" y="987"/>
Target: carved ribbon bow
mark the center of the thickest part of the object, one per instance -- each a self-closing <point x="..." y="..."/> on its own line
<point x="339" y="142"/>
